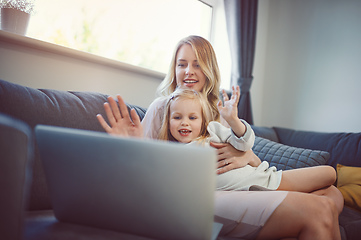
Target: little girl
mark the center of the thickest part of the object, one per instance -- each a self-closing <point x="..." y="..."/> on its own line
<point x="187" y="120"/>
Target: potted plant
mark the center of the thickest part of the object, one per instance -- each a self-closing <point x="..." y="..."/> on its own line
<point x="15" y="15"/>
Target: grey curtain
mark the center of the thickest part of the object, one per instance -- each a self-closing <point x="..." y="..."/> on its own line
<point x="241" y="19"/>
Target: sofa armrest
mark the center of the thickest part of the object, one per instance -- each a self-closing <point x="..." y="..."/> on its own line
<point x="16" y="148"/>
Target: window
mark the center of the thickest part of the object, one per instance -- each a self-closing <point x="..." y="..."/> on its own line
<point x="139" y="32"/>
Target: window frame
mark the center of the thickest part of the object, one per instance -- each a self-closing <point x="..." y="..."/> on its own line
<point x="164" y="67"/>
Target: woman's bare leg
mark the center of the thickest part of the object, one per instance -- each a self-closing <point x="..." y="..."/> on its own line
<point x="333" y="193"/>
<point x="303" y="216"/>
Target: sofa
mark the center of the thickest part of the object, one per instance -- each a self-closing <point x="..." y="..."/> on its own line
<point x="25" y="204"/>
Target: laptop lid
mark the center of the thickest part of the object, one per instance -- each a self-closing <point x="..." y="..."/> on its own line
<point x="151" y="188"/>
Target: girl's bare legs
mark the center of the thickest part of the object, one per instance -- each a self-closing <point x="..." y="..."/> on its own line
<point x="303" y="216"/>
<point x="307" y="179"/>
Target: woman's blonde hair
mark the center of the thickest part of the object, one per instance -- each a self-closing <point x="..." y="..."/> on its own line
<point x="185" y="93"/>
<point x="208" y="63"/>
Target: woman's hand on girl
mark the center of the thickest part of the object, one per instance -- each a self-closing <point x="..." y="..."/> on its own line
<point x="121" y="123"/>
<point x="230" y="158"/>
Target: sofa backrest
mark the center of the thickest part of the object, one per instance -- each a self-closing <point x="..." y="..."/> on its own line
<point x="265" y="132"/>
<point x="52" y="107"/>
<point x="344" y="148"/>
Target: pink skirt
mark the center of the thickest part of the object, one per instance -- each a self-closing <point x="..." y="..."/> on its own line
<point x="244" y="213"/>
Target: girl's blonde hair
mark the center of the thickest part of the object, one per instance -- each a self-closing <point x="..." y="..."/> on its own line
<point x="208" y="63"/>
<point x="185" y="93"/>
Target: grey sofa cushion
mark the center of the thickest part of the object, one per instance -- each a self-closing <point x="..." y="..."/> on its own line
<point x="285" y="157"/>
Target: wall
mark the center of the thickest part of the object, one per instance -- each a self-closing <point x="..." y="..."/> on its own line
<point x="307" y="67"/>
<point x="259" y="64"/>
<point x="37" y="64"/>
<point x="306" y="70"/>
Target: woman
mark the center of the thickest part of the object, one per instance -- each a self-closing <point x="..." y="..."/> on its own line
<point x="244" y="214"/>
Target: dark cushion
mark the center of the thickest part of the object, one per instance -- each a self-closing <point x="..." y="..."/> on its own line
<point x="265" y="132"/>
<point x="51" y="107"/>
<point x="284" y="157"/>
<point x="16" y="149"/>
<point x="344" y="148"/>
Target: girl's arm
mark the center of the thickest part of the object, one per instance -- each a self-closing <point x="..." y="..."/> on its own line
<point x="229" y="112"/>
<point x="229" y="157"/>
<point x="243" y="135"/>
<point x="219" y="133"/>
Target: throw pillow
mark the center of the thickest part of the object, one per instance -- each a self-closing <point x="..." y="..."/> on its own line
<point x="349" y="184"/>
<point x="285" y="157"/>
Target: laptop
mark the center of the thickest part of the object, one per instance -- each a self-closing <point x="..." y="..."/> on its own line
<point x="150" y="188"/>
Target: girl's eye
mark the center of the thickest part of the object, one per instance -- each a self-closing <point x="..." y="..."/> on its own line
<point x="177" y="117"/>
<point x="192" y="118"/>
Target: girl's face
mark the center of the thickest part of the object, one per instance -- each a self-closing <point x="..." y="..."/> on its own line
<point x="185" y="120"/>
<point x="188" y="71"/>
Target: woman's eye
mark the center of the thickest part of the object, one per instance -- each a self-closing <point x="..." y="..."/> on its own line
<point x="181" y="65"/>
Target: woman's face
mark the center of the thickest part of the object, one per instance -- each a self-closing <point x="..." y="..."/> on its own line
<point x="185" y="120"/>
<point x="188" y="71"/>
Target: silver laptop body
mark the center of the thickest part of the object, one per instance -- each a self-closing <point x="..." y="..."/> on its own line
<point x="150" y="188"/>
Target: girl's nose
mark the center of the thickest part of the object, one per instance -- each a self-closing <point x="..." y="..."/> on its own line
<point x="184" y="123"/>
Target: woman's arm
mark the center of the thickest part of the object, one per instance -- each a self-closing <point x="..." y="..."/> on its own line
<point x="153" y="118"/>
<point x="121" y="123"/>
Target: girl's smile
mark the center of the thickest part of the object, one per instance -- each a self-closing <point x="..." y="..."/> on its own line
<point x="184" y="132"/>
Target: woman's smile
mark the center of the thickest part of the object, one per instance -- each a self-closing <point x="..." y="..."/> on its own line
<point x="190" y="82"/>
